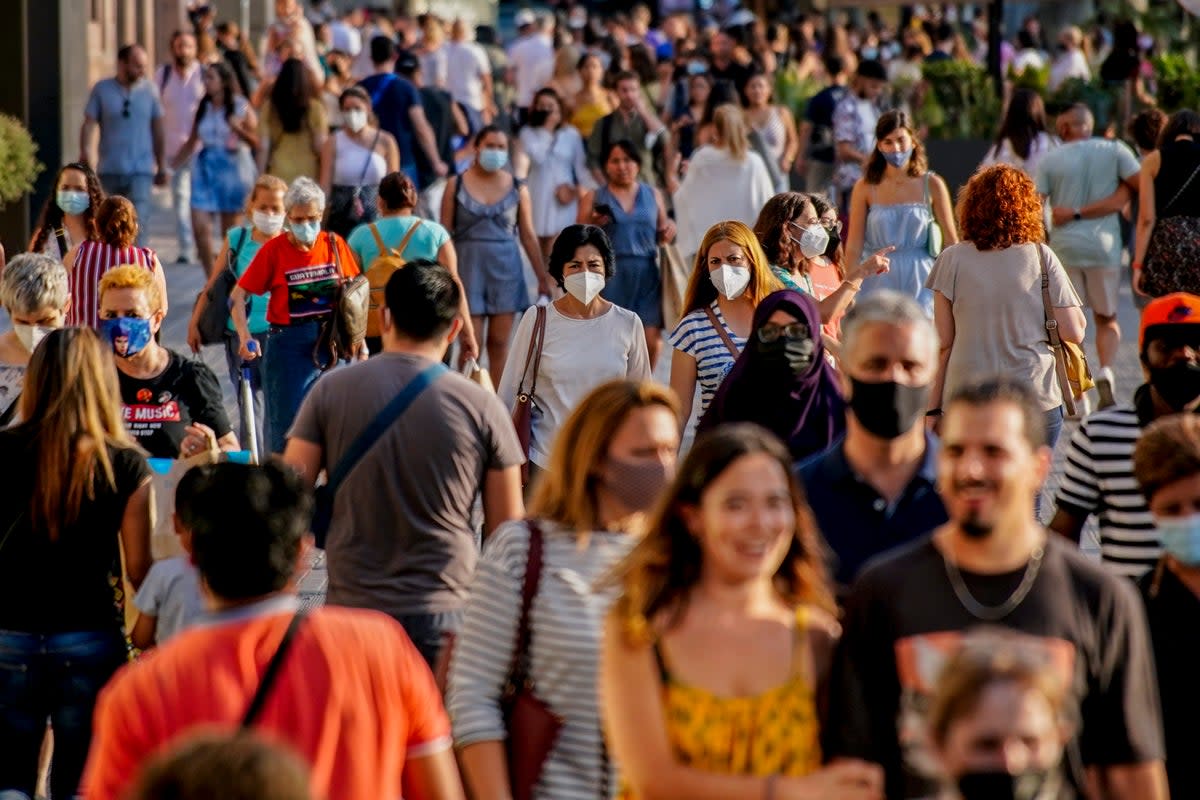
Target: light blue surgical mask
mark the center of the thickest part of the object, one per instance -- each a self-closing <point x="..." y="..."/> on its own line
<point x="72" y="202"/>
<point x="1181" y="538"/>
<point x="898" y="159"/>
<point x="493" y="160"/>
<point x="305" y="232"/>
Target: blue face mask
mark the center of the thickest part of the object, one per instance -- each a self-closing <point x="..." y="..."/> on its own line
<point x="697" y="67"/>
<point x="305" y="232"/>
<point x="898" y="160"/>
<point x="493" y="160"/>
<point x="1181" y="538"/>
<point x="72" y="202"/>
<point x="869" y="53"/>
<point x="127" y="335"/>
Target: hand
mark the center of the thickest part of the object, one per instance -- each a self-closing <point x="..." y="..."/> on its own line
<point x="193" y="337"/>
<point x="543" y="284"/>
<point x="800" y="165"/>
<point x="360" y="353"/>
<point x="468" y="347"/>
<point x="440" y="169"/>
<point x="244" y="349"/>
<point x="1061" y="216"/>
<point x="672" y="184"/>
<point x="601" y="219"/>
<point x="198" y="438"/>
<point x="847" y="779"/>
<point x="160" y="177"/>
<point x="1137" y="282"/>
<point x="877" y="264"/>
<point x="565" y="194"/>
<point x="667" y="232"/>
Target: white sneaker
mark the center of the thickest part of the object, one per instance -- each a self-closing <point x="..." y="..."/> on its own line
<point x="1083" y="406"/>
<point x="1106" y="387"/>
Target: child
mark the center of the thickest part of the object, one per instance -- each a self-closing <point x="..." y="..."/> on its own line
<point x="170" y="599"/>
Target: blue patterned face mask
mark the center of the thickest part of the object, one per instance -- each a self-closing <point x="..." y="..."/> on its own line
<point x="1181" y="538"/>
<point x="898" y="160"/>
<point x="127" y="335"/>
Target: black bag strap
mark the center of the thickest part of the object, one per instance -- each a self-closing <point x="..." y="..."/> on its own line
<point x="518" y="672"/>
<point x="1182" y="189"/>
<point x="383" y="420"/>
<point x="271" y="673"/>
<point x="61" y="235"/>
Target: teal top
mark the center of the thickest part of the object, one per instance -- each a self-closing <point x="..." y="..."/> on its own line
<point x="787" y="280"/>
<point x="425" y="243"/>
<point x="241" y="240"/>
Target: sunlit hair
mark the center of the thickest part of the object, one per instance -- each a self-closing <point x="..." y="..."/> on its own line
<point x="117" y="221"/>
<point x="72" y="405"/>
<point x="770" y="227"/>
<point x="659" y="575"/>
<point x="731" y="132"/>
<point x="700" y="290"/>
<point x="566" y="492"/>
<point x="1167" y="451"/>
<point x="266" y="183"/>
<point x="890" y="122"/>
<point x="988" y="657"/>
<point x="32" y="282"/>
<point x="1000" y="207"/>
<point x="131" y="276"/>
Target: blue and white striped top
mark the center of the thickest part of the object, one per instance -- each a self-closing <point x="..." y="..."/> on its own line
<point x="696" y="336"/>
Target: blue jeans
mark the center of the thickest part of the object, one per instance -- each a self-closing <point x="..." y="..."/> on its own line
<point x="1054" y="426"/>
<point x="234" y="361"/>
<point x="288" y="374"/>
<point x="137" y="189"/>
<point x="181" y="200"/>
<point x="58" y="676"/>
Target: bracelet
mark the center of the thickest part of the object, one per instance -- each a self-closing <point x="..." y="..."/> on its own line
<point x="769" y="787"/>
<point x="1137" y="266"/>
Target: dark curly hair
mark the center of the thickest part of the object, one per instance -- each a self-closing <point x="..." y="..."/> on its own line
<point x="117" y="221"/>
<point x="570" y="240"/>
<point x="769" y="227"/>
<point x="890" y="122"/>
<point x="1000" y="207"/>
<point x="51" y="218"/>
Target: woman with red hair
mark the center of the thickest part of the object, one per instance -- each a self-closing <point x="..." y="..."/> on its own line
<point x="987" y="301"/>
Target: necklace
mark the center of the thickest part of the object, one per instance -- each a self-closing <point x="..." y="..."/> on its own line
<point x="994" y="613"/>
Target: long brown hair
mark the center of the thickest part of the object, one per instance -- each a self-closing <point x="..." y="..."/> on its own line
<point x="660" y="573"/>
<point x="566" y="492"/>
<point x="51" y="218"/>
<point x="72" y="402"/>
<point x="700" y="290"/>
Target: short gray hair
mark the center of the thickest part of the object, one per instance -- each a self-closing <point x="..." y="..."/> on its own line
<point x="302" y="191"/>
<point x="890" y="308"/>
<point x="33" y="281"/>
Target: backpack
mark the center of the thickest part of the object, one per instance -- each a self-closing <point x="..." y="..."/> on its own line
<point x="382" y="267"/>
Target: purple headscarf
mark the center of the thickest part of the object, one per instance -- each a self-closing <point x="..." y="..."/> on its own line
<point x="806" y="411"/>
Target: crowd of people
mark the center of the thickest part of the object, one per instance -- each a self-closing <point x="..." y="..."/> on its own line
<point x="694" y="449"/>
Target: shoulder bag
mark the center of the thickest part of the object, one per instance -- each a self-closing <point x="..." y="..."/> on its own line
<point x="522" y="415"/>
<point x="934" y="243"/>
<point x="213" y="320"/>
<point x="1171" y="263"/>
<point x="271" y="673"/>
<point x="323" y="497"/>
<point x="343" y="331"/>
<point x="1070" y="362"/>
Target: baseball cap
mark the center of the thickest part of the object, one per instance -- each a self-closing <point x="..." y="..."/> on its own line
<point x="407" y="62"/>
<point x="524" y="17"/>
<point x="1169" y="311"/>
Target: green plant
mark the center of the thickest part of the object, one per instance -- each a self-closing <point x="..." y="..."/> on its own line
<point x="793" y="92"/>
<point x="1095" y="94"/>
<point x="961" y="101"/>
<point x="19" y="166"/>
<point x="1178" y="82"/>
<point x="1036" y="78"/>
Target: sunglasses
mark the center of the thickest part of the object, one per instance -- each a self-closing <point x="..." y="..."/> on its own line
<point x="795" y="332"/>
<point x="125" y="109"/>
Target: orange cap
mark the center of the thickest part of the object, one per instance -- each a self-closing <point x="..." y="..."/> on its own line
<point x="1179" y="308"/>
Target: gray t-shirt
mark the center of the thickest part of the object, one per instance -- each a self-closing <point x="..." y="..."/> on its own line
<point x="999" y="316"/>
<point x="171" y="592"/>
<point x="401" y="538"/>
<point x="1076" y="175"/>
<point x="125" y="114"/>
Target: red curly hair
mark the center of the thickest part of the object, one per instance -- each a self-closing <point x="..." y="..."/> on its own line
<point x="1000" y="207"/>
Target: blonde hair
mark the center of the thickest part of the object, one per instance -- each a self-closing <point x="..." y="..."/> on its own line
<point x="566" y="492"/>
<point x="731" y="132"/>
<point x="131" y="276"/>
<point x="268" y="183"/>
<point x="700" y="290"/>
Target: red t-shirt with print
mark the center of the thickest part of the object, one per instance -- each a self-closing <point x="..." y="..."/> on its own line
<point x="303" y="285"/>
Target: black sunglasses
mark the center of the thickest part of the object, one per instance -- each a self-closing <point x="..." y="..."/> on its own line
<point x="125" y="109"/>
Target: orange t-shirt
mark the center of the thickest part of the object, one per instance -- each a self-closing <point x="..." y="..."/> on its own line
<point x="303" y="285"/>
<point x="353" y="698"/>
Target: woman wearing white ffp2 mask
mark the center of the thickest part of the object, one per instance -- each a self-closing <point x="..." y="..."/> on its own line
<point x="731" y="275"/>
<point x="353" y="162"/>
<point x="34" y="292"/>
<point x="588" y="340"/>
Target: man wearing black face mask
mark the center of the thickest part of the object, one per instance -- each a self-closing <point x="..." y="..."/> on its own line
<point x="1099" y="478"/>
<point x="993" y="564"/>
<point x="874" y="490"/>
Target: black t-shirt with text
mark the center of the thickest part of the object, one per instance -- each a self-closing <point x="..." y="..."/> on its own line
<point x="903" y="620"/>
<point x="157" y="411"/>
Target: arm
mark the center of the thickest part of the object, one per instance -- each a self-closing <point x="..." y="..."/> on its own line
<point x="1101" y="208"/>
<point x="792" y="148"/>
<point x="468" y="342"/>
<point x="305" y="457"/>
<point x="142" y="634"/>
<point x="135" y="535"/>
<point x="433" y="777"/>
<point x="185" y="152"/>
<point x="943" y="320"/>
<point x="391" y="152"/>
<point x="859" y="206"/>
<point x="246" y="128"/>
<point x="1072" y="324"/>
<point x="683" y="383"/>
<point x="462" y="126"/>
<point x="803" y="137"/>
<point x="237" y="312"/>
<point x="1068" y="524"/>
<point x="514" y="366"/>
<point x="943" y="210"/>
<point x="502" y="499"/>
<point x="328" y="153"/>
<point x="449" y="198"/>
<point x="262" y="155"/>
<point x="160" y="277"/>
<point x="664" y="224"/>
<point x="88" y="135"/>
<point x="1145" y="781"/>
<point x="425" y="136"/>
<point x="1147" y="210"/>
<point x="159" y="139"/>
<point x="529" y="241"/>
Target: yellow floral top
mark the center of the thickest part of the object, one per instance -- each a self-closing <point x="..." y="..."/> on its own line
<point x="775" y="732"/>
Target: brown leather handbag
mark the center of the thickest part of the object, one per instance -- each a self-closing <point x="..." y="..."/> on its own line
<point x="522" y="415"/>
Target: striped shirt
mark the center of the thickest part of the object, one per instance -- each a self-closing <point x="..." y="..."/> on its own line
<point x="696" y="336"/>
<point x="1099" y="480"/>
<point x="566" y="623"/>
<point x="92" y="260"/>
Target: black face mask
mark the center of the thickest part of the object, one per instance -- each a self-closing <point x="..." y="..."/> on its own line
<point x="538" y="117"/>
<point x="1002" y="786"/>
<point x="792" y="355"/>
<point x="835" y="238"/>
<point x="1178" y="384"/>
<point x="887" y="409"/>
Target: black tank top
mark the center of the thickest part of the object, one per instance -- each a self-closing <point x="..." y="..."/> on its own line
<point x="1180" y="162"/>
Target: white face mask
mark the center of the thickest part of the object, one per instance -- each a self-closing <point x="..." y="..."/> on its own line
<point x="730" y="281"/>
<point x="30" y="335"/>
<point x="584" y="286"/>
<point x="813" y="241"/>
<point x="268" y="223"/>
<point x="355" y="119"/>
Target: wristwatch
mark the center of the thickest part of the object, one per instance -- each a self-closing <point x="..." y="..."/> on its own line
<point x="1077" y="216"/>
